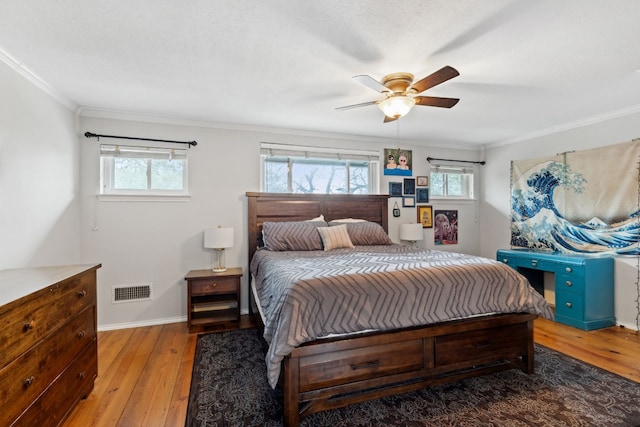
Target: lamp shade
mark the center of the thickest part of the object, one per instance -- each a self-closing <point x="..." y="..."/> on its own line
<point x="397" y="105"/>
<point x="218" y="238"/>
<point x="411" y="232"/>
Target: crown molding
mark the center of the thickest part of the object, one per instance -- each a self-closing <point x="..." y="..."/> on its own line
<point x="25" y="72"/>
<point x="570" y="125"/>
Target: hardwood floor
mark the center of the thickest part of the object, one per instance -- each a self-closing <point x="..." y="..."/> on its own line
<point x="144" y="374"/>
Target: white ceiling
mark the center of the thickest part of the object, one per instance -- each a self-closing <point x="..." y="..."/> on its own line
<point x="526" y="67"/>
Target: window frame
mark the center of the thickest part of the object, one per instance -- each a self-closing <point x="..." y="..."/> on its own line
<point x="468" y="182"/>
<point x="148" y="152"/>
<point x="290" y="153"/>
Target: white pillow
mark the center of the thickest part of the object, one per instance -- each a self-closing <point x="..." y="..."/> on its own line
<point x="348" y="220"/>
<point x="320" y="218"/>
<point x="335" y="237"/>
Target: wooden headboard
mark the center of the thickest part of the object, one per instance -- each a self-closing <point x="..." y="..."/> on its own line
<point x="266" y="207"/>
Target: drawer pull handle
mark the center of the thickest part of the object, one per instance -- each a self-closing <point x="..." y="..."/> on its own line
<point x="81" y="375"/>
<point x="568" y="283"/>
<point x="27" y="382"/>
<point x="214" y="285"/>
<point x="81" y="334"/>
<point x="366" y="365"/>
<point x="82" y="294"/>
<point x="484" y="344"/>
<point x="569" y="305"/>
<point x="534" y="262"/>
<point x="568" y="270"/>
<point x="29" y="326"/>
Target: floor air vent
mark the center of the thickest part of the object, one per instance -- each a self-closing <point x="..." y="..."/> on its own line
<point x="131" y="293"/>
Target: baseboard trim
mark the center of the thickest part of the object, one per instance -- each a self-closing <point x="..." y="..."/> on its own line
<point x="153" y="322"/>
<point x="629" y="326"/>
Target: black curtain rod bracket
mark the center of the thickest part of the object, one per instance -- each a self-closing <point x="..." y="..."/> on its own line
<point x="459" y="161"/>
<point x="93" y="135"/>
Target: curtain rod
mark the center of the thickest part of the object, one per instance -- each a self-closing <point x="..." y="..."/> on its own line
<point x="93" y="135"/>
<point x="461" y="161"/>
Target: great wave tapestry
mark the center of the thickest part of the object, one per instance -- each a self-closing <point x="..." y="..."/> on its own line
<point x="582" y="201"/>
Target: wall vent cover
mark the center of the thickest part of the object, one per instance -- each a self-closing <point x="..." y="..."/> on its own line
<point x="131" y="293"/>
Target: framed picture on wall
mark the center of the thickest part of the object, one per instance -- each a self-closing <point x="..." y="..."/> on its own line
<point x="425" y="216"/>
<point x="446" y="227"/>
<point x="422" y="195"/>
<point x="408" y="202"/>
<point x="422" y="181"/>
<point x="409" y="186"/>
<point x="395" y="189"/>
<point x="398" y="162"/>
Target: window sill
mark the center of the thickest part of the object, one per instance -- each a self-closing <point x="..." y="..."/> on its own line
<point x="451" y="200"/>
<point x="144" y="197"/>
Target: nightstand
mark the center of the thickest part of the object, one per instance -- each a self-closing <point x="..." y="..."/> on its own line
<point x="213" y="298"/>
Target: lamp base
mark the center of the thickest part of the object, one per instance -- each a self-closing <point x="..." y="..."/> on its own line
<point x="218" y="261"/>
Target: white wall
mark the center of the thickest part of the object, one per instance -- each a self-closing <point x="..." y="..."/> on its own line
<point x="159" y="242"/>
<point x="39" y="210"/>
<point x="495" y="207"/>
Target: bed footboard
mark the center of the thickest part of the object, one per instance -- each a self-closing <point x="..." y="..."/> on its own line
<point x="328" y="374"/>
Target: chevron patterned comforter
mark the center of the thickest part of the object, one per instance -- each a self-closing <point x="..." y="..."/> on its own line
<point x="305" y="295"/>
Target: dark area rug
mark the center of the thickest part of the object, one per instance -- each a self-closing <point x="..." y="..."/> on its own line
<point x="229" y="388"/>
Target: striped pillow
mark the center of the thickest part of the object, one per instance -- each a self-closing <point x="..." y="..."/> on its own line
<point x="365" y="233"/>
<point x="292" y="235"/>
<point x="335" y="237"/>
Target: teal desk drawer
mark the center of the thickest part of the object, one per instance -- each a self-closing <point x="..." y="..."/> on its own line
<point x="570" y="283"/>
<point x="569" y="304"/>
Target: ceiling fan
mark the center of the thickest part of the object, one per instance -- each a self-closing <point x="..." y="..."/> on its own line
<point x="400" y="92"/>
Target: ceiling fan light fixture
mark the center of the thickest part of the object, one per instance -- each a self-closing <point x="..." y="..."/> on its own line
<point x="396" y="106"/>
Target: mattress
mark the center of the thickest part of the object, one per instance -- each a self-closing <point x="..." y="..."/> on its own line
<point x="305" y="295"/>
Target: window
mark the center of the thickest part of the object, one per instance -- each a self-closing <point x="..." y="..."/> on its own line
<point x="451" y="182"/>
<point x="294" y="169"/>
<point x="141" y="170"/>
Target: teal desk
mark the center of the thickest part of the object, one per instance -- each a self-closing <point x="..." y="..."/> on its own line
<point x="583" y="284"/>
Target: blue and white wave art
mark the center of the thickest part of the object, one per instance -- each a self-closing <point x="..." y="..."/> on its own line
<point x="537" y="223"/>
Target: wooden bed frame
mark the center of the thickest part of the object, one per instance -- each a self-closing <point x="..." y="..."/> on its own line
<point x="332" y="373"/>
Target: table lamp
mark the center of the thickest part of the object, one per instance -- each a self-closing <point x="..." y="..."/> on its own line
<point x="219" y="239"/>
<point x="411" y="232"/>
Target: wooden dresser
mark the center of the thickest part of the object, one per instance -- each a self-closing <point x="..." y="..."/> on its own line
<point x="48" y="345"/>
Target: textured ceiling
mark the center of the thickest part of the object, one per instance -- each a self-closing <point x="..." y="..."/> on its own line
<point x="526" y="67"/>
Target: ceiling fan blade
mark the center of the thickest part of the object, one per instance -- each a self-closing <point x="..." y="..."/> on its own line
<point x="371" y="83"/>
<point x="388" y="119"/>
<point x="434" y="101"/>
<point x="363" y="104"/>
<point x="440" y="76"/>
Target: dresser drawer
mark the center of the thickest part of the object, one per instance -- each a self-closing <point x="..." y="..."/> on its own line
<point x="537" y="264"/>
<point x="569" y="283"/>
<point x="24" y="325"/>
<point x="221" y="285"/>
<point x="569" y="304"/>
<point x="78" y="377"/>
<point x="340" y="367"/>
<point x="473" y="348"/>
<point x="510" y="261"/>
<point x="24" y="379"/>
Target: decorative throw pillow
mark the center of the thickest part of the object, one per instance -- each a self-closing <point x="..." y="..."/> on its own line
<point x="335" y="237"/>
<point x="292" y="235"/>
<point x="365" y="233"/>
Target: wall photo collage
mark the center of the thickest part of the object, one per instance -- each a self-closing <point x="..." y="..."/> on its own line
<point x="415" y="194"/>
